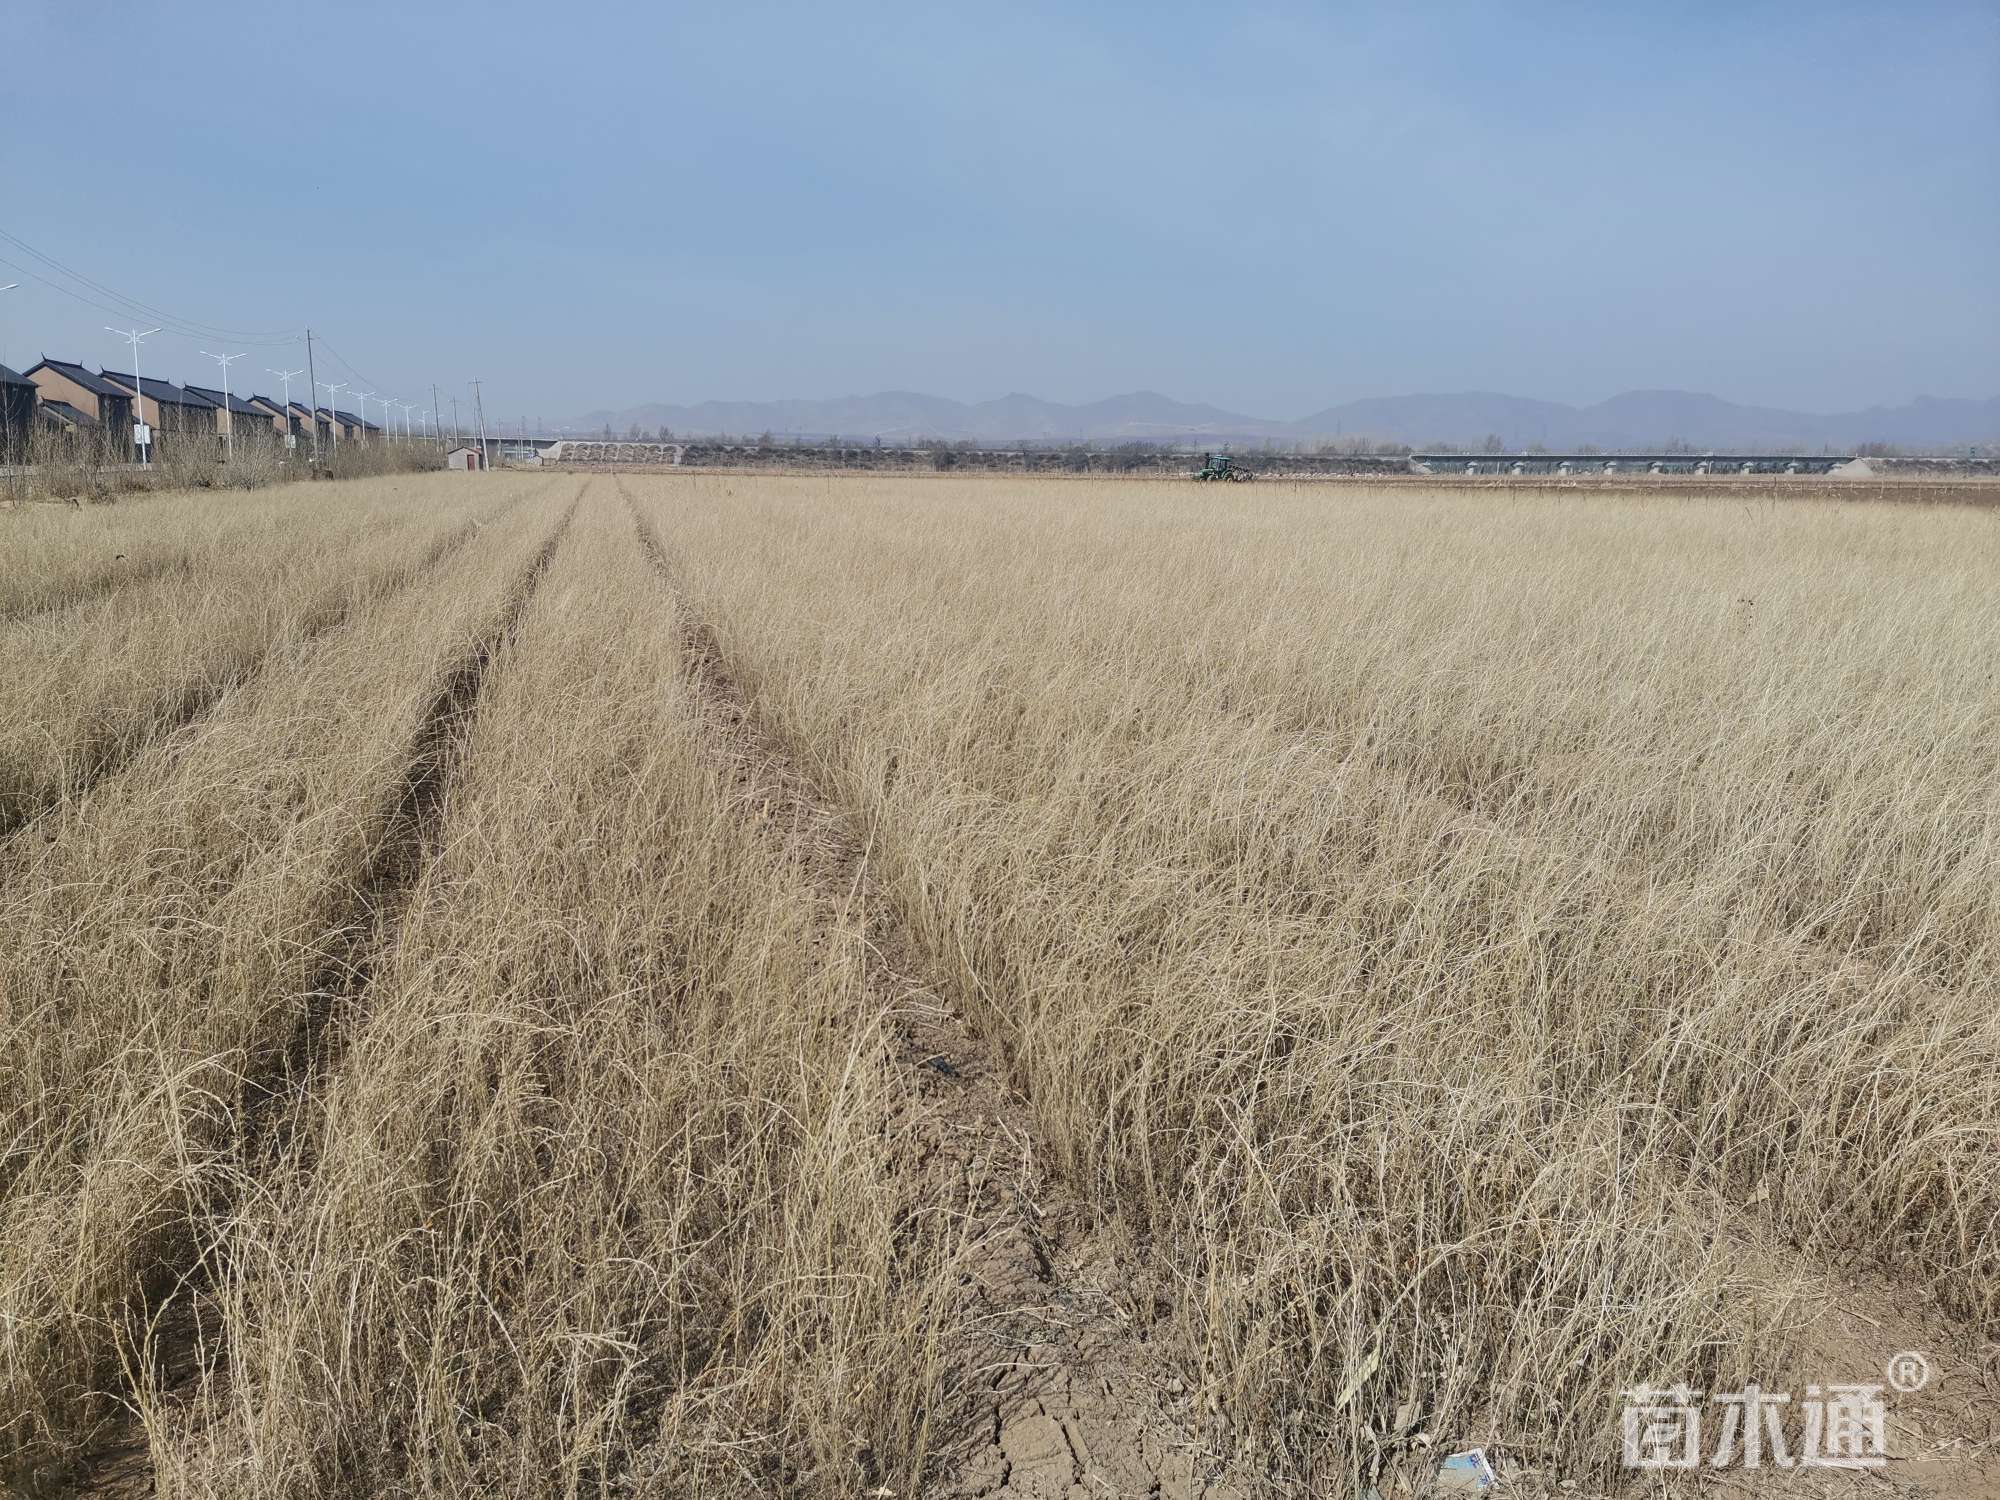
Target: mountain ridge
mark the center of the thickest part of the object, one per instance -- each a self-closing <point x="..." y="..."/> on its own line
<point x="1639" y="419"/>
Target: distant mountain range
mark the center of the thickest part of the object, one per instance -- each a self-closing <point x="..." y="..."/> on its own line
<point x="1637" y="420"/>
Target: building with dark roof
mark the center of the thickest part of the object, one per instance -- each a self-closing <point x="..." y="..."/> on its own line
<point x="17" y="415"/>
<point x="306" y="420"/>
<point x="71" y="385"/>
<point x="350" y="428"/>
<point x="60" y="416"/>
<point x="233" y="414"/>
<point x="168" y="409"/>
<point x="273" y="412"/>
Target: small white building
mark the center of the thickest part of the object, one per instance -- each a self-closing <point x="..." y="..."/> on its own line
<point x="462" y="458"/>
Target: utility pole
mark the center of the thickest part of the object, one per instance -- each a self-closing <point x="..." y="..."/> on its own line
<point x="479" y="406"/>
<point x="6" y="437"/>
<point x="312" y="404"/>
<point x="454" y="421"/>
<point x="228" y="416"/>
<point x="361" y="400"/>
<point x="291" y="439"/>
<point x="437" y="417"/>
<point x="145" y="444"/>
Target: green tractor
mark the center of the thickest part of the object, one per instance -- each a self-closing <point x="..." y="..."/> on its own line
<point x="1220" y="466"/>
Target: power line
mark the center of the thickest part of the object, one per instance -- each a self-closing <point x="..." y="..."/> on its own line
<point x="360" y="378"/>
<point x="199" y="329"/>
<point x="121" y="305"/>
<point x="170" y="325"/>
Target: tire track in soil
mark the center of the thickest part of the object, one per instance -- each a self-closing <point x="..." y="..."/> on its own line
<point x="1057" y="1395"/>
<point x="107" y="754"/>
<point x="167" y="1325"/>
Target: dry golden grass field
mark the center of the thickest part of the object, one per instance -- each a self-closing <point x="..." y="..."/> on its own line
<point x="547" y="984"/>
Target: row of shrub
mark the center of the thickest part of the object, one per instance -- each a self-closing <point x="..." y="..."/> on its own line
<point x="74" y="466"/>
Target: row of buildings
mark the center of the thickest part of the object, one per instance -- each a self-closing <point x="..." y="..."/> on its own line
<point x="99" y="410"/>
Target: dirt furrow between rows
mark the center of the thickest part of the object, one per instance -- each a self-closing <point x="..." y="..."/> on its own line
<point x="1058" y="1393"/>
<point x="413" y="836"/>
<point x="168" y="1326"/>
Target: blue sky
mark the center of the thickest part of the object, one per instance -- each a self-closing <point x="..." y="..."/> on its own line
<point x="1271" y="207"/>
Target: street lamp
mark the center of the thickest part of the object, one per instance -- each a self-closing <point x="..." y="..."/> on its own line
<point x="228" y="416"/>
<point x="332" y="413"/>
<point x="142" y="435"/>
<point x="291" y="440"/>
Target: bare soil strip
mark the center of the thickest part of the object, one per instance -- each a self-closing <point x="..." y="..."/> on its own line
<point x="167" y="1324"/>
<point x="1059" y="1394"/>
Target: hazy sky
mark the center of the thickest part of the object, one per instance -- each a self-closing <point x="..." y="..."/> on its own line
<point x="1267" y="206"/>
